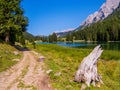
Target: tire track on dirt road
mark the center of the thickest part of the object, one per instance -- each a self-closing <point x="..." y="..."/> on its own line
<point x="26" y="75"/>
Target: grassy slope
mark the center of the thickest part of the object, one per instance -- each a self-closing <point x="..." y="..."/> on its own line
<point x="7" y="56"/>
<point x="66" y="60"/>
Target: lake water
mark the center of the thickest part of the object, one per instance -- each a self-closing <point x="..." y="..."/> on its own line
<point x="105" y="45"/>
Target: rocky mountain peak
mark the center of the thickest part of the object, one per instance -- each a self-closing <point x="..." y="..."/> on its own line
<point x="106" y="9"/>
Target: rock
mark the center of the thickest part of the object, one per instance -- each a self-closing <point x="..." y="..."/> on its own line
<point x="7" y="52"/>
<point x="41" y="58"/>
<point x="16" y="60"/>
<point x="106" y="9"/>
<point x="68" y="86"/>
<point x="49" y="71"/>
<point x="15" y="53"/>
<point x="57" y="74"/>
<point x="70" y="80"/>
<point x="49" y="85"/>
<point x="98" y="85"/>
<point x="35" y="53"/>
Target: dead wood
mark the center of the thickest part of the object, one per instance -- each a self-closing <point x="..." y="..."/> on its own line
<point x="87" y="71"/>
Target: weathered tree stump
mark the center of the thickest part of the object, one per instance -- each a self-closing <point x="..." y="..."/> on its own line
<point x="87" y="71"/>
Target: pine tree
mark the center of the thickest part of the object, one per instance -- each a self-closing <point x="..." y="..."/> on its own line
<point x="53" y="37"/>
<point x="69" y="37"/>
<point x="12" y="20"/>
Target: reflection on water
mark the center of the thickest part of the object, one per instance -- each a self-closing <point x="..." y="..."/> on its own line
<point x="111" y="46"/>
<point x="105" y="45"/>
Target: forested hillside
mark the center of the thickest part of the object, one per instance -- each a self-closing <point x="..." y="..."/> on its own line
<point x="28" y="36"/>
<point x="105" y="30"/>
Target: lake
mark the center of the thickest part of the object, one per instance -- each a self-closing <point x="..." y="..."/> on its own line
<point x="105" y="45"/>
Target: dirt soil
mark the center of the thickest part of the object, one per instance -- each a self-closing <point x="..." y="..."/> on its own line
<point x="27" y="74"/>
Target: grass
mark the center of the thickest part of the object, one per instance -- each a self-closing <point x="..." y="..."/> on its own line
<point x="22" y="85"/>
<point x="24" y="71"/>
<point x="111" y="55"/>
<point x="7" y="56"/>
<point x="66" y="60"/>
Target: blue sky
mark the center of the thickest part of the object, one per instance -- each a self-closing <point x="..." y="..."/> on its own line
<point x="47" y="16"/>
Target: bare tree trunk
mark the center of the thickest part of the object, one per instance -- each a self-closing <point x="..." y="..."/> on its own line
<point x="7" y="37"/>
<point x="87" y="71"/>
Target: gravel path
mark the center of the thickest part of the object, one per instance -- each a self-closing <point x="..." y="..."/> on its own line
<point x="26" y="75"/>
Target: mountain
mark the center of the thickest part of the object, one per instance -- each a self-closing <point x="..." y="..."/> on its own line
<point x="103" y="30"/>
<point x="64" y="32"/>
<point x="106" y="9"/>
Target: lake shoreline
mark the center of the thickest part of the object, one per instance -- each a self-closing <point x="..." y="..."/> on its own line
<point x="105" y="45"/>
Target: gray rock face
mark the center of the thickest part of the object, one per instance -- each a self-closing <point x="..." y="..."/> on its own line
<point x="106" y="9"/>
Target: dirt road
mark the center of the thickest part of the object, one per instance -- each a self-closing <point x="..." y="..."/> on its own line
<point x="26" y="75"/>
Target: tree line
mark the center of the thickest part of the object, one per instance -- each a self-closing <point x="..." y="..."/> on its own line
<point x="51" y="38"/>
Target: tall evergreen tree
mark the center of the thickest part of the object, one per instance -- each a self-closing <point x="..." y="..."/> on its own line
<point x="69" y="37"/>
<point x="53" y="37"/>
<point x="12" y="20"/>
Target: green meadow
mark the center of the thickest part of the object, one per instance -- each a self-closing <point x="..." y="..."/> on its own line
<point x="7" y="56"/>
<point x="64" y="61"/>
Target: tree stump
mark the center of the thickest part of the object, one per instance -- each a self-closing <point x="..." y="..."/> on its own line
<point x="87" y="71"/>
